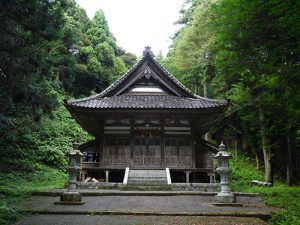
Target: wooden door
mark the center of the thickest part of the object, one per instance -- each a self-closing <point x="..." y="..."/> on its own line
<point x="139" y="151"/>
<point x="153" y="156"/>
<point x="178" y="153"/>
<point x="146" y="153"/>
<point x="116" y="151"/>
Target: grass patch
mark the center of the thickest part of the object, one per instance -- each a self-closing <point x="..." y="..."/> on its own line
<point x="15" y="187"/>
<point x="279" y="195"/>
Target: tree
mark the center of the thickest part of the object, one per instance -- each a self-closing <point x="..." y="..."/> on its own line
<point x="30" y="31"/>
<point x="254" y="58"/>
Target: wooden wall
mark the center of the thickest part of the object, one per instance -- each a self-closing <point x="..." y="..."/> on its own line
<point x="140" y="152"/>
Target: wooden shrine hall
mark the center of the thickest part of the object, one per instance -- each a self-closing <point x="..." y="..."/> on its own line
<point x="147" y="120"/>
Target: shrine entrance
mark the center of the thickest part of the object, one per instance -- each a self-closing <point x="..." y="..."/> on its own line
<point x="147" y="152"/>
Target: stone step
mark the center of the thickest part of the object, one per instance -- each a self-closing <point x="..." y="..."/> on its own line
<point x="147" y="177"/>
<point x="141" y="179"/>
<point x="147" y="173"/>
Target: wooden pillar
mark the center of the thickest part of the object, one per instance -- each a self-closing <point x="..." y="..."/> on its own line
<point x="106" y="176"/>
<point x="81" y="175"/>
<point x="101" y="150"/>
<point x="211" y="178"/>
<point x="187" y="176"/>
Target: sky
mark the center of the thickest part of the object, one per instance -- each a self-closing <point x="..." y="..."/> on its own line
<point x="138" y="23"/>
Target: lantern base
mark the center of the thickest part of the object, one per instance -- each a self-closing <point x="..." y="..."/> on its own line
<point x="70" y="198"/>
<point x="225" y="198"/>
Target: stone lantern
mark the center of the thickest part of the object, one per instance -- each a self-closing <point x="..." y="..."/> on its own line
<point x="225" y="196"/>
<point x="71" y="196"/>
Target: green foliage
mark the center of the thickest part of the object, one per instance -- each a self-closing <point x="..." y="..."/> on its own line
<point x="25" y="150"/>
<point x="279" y="195"/>
<point x="285" y="218"/>
<point x="44" y="45"/>
<point x="8" y="215"/>
<point x="29" y="30"/>
<point x="51" y="156"/>
<point x="282" y="196"/>
<point x="27" y="143"/>
<point x="90" y="55"/>
<point x="243" y="171"/>
<point x="49" y="50"/>
<point x="247" y="51"/>
<point x="17" y="186"/>
<point x="128" y="58"/>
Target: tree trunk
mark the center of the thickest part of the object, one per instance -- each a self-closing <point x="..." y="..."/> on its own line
<point x="244" y="143"/>
<point x="289" y="163"/>
<point x="197" y="85"/>
<point x="205" y="87"/>
<point x="257" y="160"/>
<point x="265" y="146"/>
<point x="207" y="136"/>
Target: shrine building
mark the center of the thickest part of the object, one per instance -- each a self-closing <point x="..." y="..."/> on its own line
<point x="147" y="120"/>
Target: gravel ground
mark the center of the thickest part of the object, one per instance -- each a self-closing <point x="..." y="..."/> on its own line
<point x="143" y="210"/>
<point x="137" y="220"/>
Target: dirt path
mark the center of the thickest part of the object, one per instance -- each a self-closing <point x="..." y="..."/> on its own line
<point x="137" y="220"/>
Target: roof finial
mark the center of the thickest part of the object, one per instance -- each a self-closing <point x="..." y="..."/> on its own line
<point x="147" y="51"/>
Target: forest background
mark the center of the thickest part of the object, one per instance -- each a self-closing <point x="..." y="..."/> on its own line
<point x="244" y="51"/>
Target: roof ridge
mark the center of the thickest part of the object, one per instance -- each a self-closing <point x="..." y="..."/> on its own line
<point x="125" y="75"/>
<point x="150" y="94"/>
<point x="172" y="77"/>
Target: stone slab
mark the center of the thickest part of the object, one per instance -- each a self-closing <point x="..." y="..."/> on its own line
<point x="148" y="205"/>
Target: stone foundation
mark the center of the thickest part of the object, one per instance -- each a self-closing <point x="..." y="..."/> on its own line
<point x="98" y="186"/>
<point x="203" y="187"/>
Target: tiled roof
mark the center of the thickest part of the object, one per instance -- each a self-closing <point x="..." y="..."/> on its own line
<point x="108" y="99"/>
<point x="148" y="102"/>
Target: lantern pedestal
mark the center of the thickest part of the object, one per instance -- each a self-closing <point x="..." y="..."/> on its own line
<point x="225" y="196"/>
<point x="72" y="197"/>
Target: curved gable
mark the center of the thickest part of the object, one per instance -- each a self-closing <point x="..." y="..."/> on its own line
<point x="147" y="68"/>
